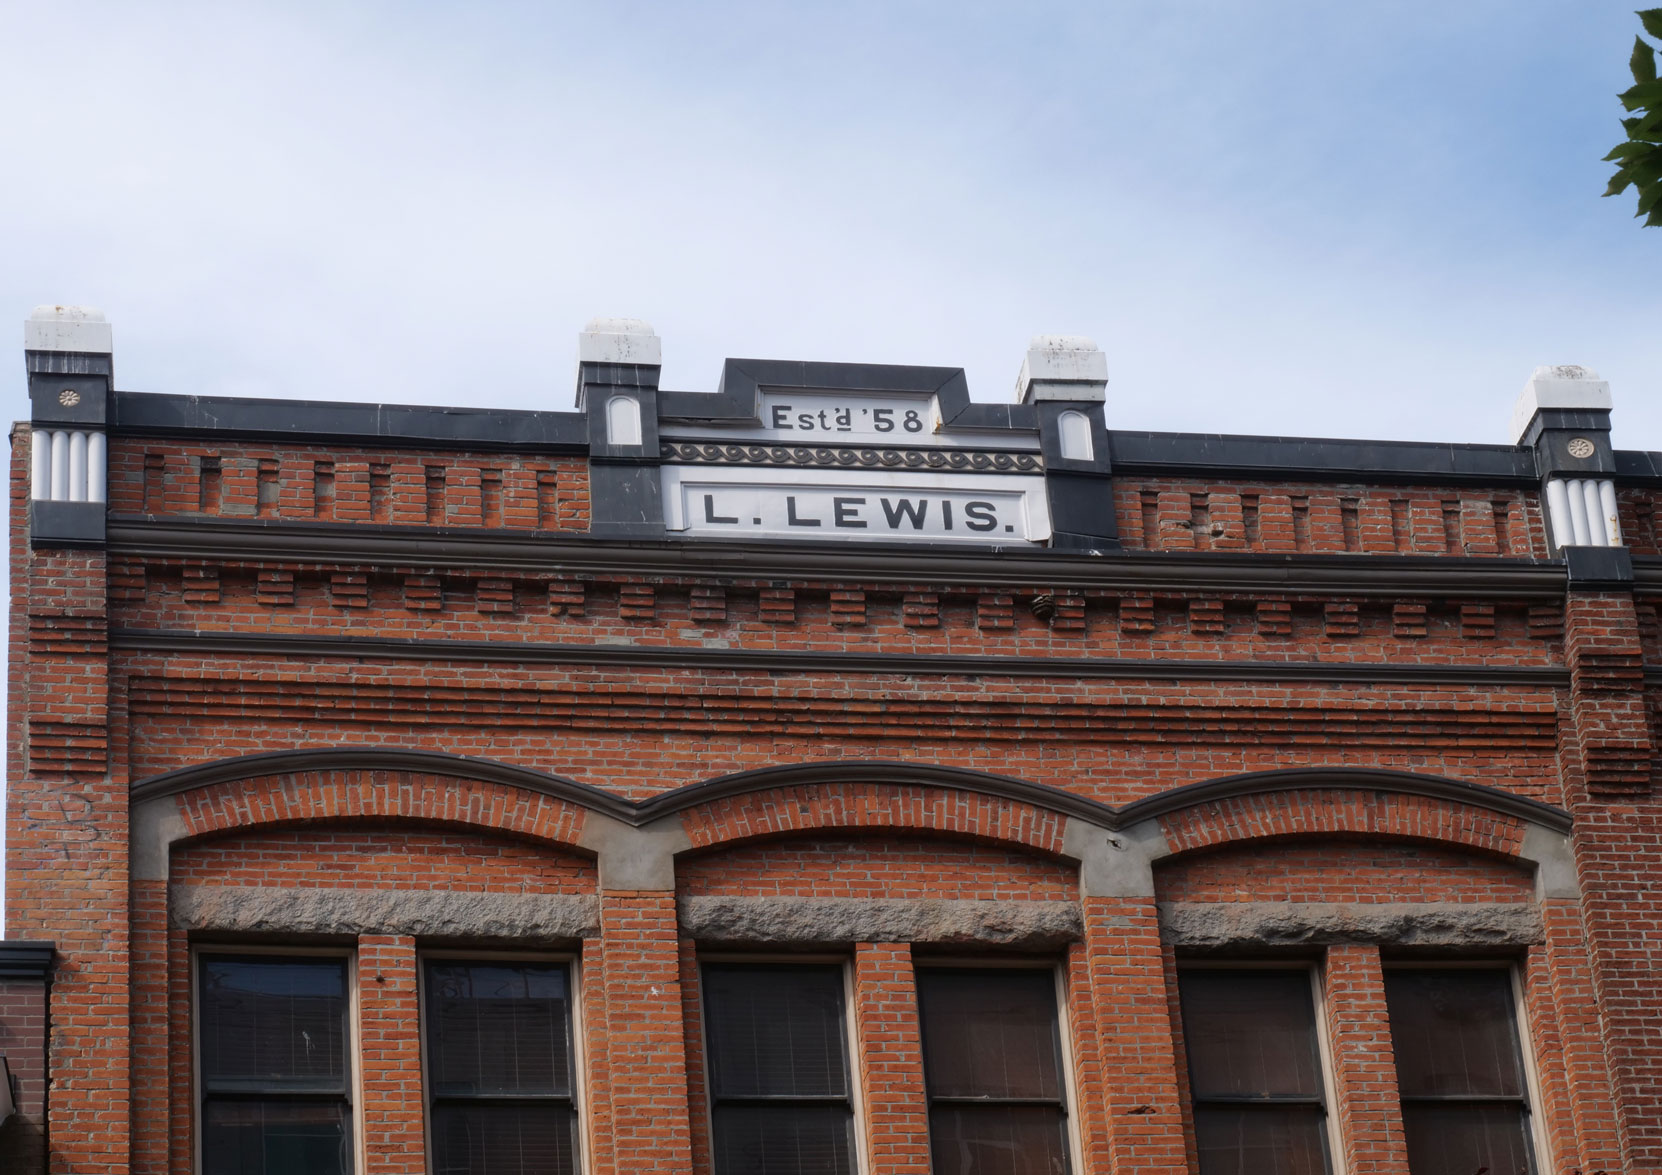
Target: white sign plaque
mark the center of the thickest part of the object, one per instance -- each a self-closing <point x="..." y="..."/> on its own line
<point x="855" y="505"/>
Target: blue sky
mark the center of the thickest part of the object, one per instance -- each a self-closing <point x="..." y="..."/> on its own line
<point x="1284" y="216"/>
<point x="1360" y="219"/>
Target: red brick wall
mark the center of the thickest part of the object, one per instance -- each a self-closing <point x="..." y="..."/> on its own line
<point x="93" y="710"/>
<point x="1342" y="871"/>
<point x="869" y="867"/>
<point x="382" y="857"/>
<point x="1177" y="515"/>
<point x="638" y="732"/>
<point x="405" y="487"/>
<point x="67" y="835"/>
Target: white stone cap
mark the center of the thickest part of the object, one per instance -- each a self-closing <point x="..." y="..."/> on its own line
<point x="620" y="340"/>
<point x="1566" y="386"/>
<point x="1062" y="367"/>
<point x="67" y="328"/>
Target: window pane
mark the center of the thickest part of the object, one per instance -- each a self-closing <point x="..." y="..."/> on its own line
<point x="776" y="1031"/>
<point x="998" y="1140"/>
<point x="504" y="1140"/>
<point x="498" y="1028"/>
<point x="1456" y="1139"/>
<point x="1455" y="1032"/>
<point x="990" y="1033"/>
<point x="783" y="1140"/>
<point x="274" y="1138"/>
<point x="1250" y="1033"/>
<point x="1261" y="1140"/>
<point x="273" y="1023"/>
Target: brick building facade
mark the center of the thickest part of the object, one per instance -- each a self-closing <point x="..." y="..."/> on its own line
<point x="826" y="773"/>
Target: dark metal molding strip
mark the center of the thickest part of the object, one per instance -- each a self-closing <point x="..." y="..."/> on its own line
<point x="25" y="960"/>
<point x="809" y="662"/>
<point x="882" y="772"/>
<point x="372" y="544"/>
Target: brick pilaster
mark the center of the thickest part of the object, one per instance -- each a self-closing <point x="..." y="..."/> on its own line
<point x="1123" y="1042"/>
<point x="66" y="834"/>
<point x="1364" y="1065"/>
<point x="1562" y="1006"/>
<point x="389" y="1030"/>
<point x="646" y="1127"/>
<point x="1608" y="773"/>
<point x="891" y="1058"/>
<point x="150" y="1041"/>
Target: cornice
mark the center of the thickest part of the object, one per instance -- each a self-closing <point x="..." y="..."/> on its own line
<point x="379" y="544"/>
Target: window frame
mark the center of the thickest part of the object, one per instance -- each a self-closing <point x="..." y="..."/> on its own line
<point x="853" y="1047"/>
<point x="1534" y="1118"/>
<point x="1064" y="1042"/>
<point x="1332" y="1129"/>
<point x="354" y="1092"/>
<point x="579" y="1069"/>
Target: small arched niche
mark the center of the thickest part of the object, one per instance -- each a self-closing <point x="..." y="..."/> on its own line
<point x="623" y="421"/>
<point x="1075" y="431"/>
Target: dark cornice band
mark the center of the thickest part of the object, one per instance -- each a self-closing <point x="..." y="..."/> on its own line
<point x="356" y="647"/>
<point x="885" y="772"/>
<point x="1144" y="454"/>
<point x="1308" y="459"/>
<point x="330" y="422"/>
<point x="25" y="960"/>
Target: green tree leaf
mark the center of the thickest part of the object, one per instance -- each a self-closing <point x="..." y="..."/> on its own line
<point x="1638" y="160"/>
<point x="1643" y="61"/>
<point x="1646" y="171"/>
<point x="1643" y="94"/>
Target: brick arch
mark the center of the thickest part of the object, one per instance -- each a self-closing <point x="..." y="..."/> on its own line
<point x="865" y="806"/>
<point x="1387" y="805"/>
<point x="311" y="760"/>
<point x="845" y="797"/>
<point x="332" y="783"/>
<point x="283" y="790"/>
